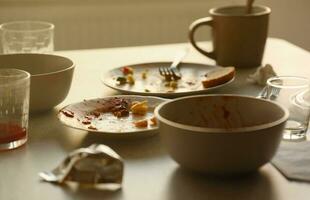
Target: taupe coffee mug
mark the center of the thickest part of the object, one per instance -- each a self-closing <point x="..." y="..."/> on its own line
<point x="238" y="38"/>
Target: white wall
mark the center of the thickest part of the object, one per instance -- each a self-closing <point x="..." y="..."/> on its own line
<point x="109" y="23"/>
<point x="290" y="19"/>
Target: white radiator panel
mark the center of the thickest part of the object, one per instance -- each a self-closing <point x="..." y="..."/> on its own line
<point x="99" y="24"/>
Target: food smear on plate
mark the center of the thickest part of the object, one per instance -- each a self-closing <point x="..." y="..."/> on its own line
<point x="119" y="107"/>
<point x="116" y="114"/>
<point x="147" y="79"/>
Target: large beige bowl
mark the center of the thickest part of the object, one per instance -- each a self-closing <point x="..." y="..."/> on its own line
<point x="221" y="134"/>
<point x="51" y="77"/>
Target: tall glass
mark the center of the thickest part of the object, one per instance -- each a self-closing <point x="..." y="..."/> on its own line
<point x="27" y="37"/>
<point x="14" y="107"/>
<point x="289" y="92"/>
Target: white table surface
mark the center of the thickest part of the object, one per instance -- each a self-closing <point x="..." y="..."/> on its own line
<point x="150" y="174"/>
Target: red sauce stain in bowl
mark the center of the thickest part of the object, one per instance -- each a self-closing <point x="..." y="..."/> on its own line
<point x="226" y="113"/>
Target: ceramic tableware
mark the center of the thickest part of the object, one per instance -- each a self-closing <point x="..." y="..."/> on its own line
<point x="238" y="37"/>
<point x="51" y="77"/>
<point x="107" y="124"/>
<point x="221" y="134"/>
<point x="155" y="85"/>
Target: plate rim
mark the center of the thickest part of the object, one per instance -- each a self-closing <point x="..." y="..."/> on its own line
<point x="104" y="78"/>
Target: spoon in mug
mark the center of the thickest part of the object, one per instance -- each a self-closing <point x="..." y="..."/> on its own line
<point x="249" y="6"/>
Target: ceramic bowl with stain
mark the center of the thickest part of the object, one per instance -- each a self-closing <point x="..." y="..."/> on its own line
<point x="221" y="134"/>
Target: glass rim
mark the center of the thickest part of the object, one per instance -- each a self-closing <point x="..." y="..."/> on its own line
<point x="49" y="25"/>
<point x="305" y="84"/>
<point x="22" y="79"/>
<point x="301" y="100"/>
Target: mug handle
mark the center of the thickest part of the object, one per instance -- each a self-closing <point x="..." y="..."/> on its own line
<point x="193" y="27"/>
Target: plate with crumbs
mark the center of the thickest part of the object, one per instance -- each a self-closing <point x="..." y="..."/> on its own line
<point x="145" y="79"/>
<point x="121" y="115"/>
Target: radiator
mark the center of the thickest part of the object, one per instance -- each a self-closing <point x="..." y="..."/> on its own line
<point x="100" y="24"/>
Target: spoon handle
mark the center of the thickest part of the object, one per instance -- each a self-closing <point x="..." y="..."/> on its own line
<point x="249" y="6"/>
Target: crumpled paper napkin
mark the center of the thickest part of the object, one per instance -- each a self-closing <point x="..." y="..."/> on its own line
<point x="261" y="75"/>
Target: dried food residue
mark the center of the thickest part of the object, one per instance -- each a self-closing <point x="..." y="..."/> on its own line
<point x="68" y="113"/>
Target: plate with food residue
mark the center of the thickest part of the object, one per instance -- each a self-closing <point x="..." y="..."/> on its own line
<point x="121" y="115"/>
<point x="145" y="79"/>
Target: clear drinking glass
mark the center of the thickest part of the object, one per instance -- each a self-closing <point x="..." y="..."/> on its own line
<point x="27" y="37"/>
<point x="14" y="107"/>
<point x="289" y="92"/>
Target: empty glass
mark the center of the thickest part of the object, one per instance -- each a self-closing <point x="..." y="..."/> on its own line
<point x="14" y="107"/>
<point x="27" y="37"/>
<point x="290" y="91"/>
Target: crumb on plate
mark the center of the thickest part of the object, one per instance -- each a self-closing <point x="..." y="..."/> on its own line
<point x="173" y="84"/>
<point x="141" y="123"/>
<point x="130" y="79"/>
<point x="121" y="80"/>
<point x="153" y="121"/>
<point x="127" y="70"/>
<point x="139" y="108"/>
<point x="144" y="75"/>
<point x="92" y="127"/>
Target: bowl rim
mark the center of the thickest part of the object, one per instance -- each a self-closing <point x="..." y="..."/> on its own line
<point x="72" y="64"/>
<point x="220" y="130"/>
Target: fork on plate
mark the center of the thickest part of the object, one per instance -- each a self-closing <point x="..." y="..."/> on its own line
<point x="173" y="72"/>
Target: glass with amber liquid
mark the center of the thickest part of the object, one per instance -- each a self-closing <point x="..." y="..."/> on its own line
<point x="14" y="107"/>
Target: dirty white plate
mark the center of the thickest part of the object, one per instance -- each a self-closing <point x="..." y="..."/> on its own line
<point x="74" y="114"/>
<point x="155" y="85"/>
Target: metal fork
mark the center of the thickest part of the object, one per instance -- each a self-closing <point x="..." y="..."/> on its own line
<point x="274" y="93"/>
<point x="266" y="94"/>
<point x="263" y="93"/>
<point x="173" y="72"/>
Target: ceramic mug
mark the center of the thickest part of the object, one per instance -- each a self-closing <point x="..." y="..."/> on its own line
<point x="238" y="37"/>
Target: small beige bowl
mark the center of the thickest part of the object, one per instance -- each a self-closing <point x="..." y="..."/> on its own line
<point x="221" y="134"/>
<point x="51" y="77"/>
